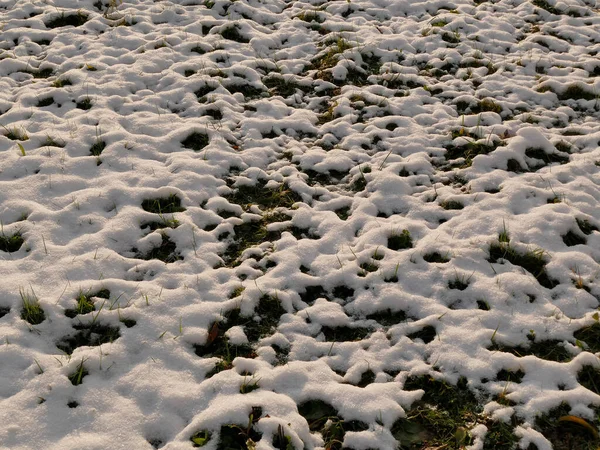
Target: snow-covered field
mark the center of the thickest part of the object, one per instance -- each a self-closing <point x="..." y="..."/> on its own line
<point x="365" y="224"/>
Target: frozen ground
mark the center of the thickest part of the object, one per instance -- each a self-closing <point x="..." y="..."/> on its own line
<point x="299" y="225"/>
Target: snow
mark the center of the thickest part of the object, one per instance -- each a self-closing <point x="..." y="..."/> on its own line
<point x="82" y="222"/>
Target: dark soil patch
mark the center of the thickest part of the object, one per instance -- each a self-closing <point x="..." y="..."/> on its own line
<point x="510" y="375"/>
<point x="343" y="293"/>
<point x="204" y="91"/>
<point x="166" y="251"/>
<point x="344" y="333"/>
<point x="233" y="34"/>
<point x="436" y="257"/>
<point x="88" y="335"/>
<point x="571" y="239"/>
<point x="163" y="205"/>
<point x="586" y="227"/>
<point x="312" y="293"/>
<point x="4" y="310"/>
<point x="366" y="378"/>
<point x="426" y="334"/>
<point x="388" y="317"/>
<point x="45" y="102"/>
<point x="64" y="20"/>
<point x="196" y="141"/>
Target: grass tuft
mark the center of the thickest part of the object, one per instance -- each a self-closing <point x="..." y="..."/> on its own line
<point x="503" y="236"/>
<point x="534" y="261"/>
<point x="76" y="378"/>
<point x="263" y="197"/>
<point x="589" y="377"/>
<point x="330" y="58"/>
<point x="249" y="385"/>
<point x="281" y="441"/>
<point x="235" y="436"/>
<point x="97" y="148"/>
<point x="400" y="241"/>
<point x="590" y="337"/>
<point x="466" y="152"/>
<point x="576" y="91"/>
<point x="31" y="310"/>
<point x="164" y="222"/>
<point x="85" y="304"/>
<point x="250" y="234"/>
<point x="62" y="82"/>
<point x="52" y="142"/>
<point x="441" y="418"/>
<point x="310" y="16"/>
<point x="483" y="305"/>
<point x="500" y="436"/>
<point x="368" y="266"/>
<point x="459" y="282"/>
<point x="11" y="243"/>
<point x="85" y="104"/>
<point x="278" y="85"/>
<point x="565" y="430"/>
<point x="269" y="310"/>
<point x="15" y="133"/>
<point x="451" y="205"/>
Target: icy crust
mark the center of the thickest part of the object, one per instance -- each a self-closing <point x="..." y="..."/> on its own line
<point x="222" y="211"/>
